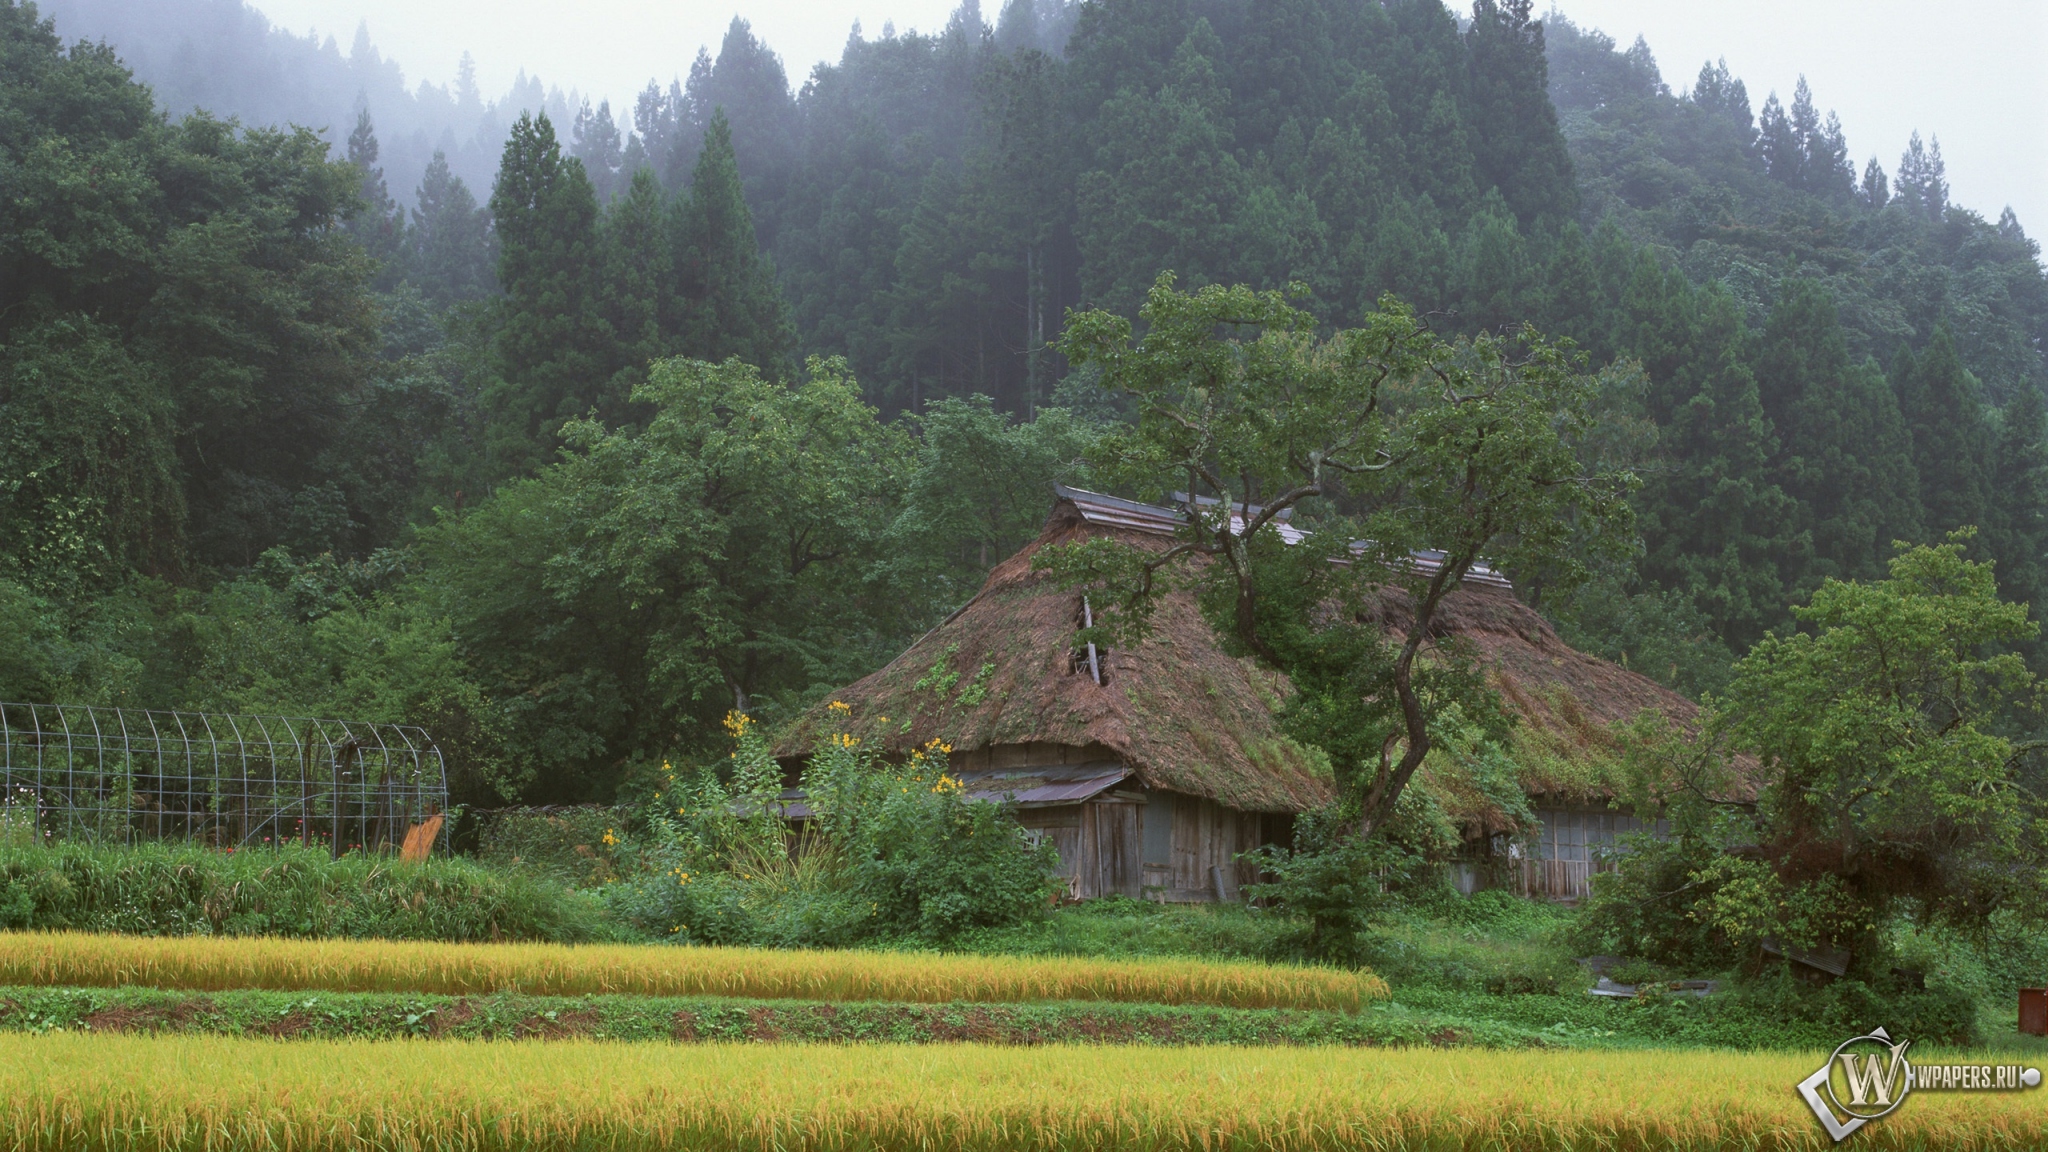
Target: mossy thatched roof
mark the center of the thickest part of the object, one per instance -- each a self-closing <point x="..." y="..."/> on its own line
<point x="1182" y="713"/>
<point x="1186" y="716"/>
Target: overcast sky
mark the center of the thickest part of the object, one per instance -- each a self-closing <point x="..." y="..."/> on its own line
<point x="1972" y="72"/>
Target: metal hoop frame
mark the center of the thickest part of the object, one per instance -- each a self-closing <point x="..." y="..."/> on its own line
<point x="120" y="775"/>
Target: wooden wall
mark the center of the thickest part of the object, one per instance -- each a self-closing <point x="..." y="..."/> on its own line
<point x="1164" y="847"/>
<point x="1188" y="838"/>
<point x="1097" y="842"/>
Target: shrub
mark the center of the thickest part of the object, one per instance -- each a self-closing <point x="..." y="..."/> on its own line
<point x="184" y="890"/>
<point x="884" y="851"/>
<point x="566" y="845"/>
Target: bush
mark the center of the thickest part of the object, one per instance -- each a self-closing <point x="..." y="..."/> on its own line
<point x="887" y="852"/>
<point x="183" y="890"/>
<point x="570" y="846"/>
<point x="1121" y="926"/>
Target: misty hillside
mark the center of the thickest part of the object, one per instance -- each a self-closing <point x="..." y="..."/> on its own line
<point x="305" y="417"/>
<point x="226" y="57"/>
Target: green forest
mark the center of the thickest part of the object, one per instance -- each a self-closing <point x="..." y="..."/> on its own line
<point x="718" y="405"/>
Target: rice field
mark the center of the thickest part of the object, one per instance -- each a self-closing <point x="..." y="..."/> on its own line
<point x="135" y="1093"/>
<point x="215" y="964"/>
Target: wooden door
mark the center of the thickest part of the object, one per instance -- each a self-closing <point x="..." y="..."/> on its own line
<point x="1119" y="863"/>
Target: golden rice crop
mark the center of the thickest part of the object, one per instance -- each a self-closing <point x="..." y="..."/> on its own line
<point x="144" y="1093"/>
<point x="213" y="964"/>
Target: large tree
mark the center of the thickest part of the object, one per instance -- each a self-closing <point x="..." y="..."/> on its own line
<point x="1416" y="460"/>
<point x="184" y="324"/>
<point x="450" y="256"/>
<point x="1885" y="782"/>
<point x="622" y="600"/>
<point x="555" y="346"/>
<point x="724" y="290"/>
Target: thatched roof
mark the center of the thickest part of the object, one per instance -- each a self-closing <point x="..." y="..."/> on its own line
<point x="1183" y="714"/>
<point x="1180" y="712"/>
<point x="1567" y="703"/>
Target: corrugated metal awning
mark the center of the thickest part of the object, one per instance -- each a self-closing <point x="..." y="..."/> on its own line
<point x="1051" y="784"/>
<point x="1116" y="512"/>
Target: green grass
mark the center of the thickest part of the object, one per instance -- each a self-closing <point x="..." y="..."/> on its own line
<point x="1121" y="927"/>
<point x="1494" y="963"/>
<point x="180" y="890"/>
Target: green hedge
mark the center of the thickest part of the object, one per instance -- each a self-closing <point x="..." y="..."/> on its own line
<point x="167" y="890"/>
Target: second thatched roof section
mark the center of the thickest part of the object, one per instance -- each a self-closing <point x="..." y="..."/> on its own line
<point x="1181" y="713"/>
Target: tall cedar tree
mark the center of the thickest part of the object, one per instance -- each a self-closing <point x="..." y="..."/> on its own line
<point x="379" y="225"/>
<point x="1952" y="443"/>
<point x="1516" y="139"/>
<point x="1715" y="523"/>
<point x="449" y="246"/>
<point x="555" y="347"/>
<point x="724" y="288"/>
<point x="1843" y="452"/>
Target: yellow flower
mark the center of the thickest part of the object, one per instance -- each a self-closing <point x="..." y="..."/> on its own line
<point x="841" y="706"/>
<point x="610" y="840"/>
<point x="885" y="720"/>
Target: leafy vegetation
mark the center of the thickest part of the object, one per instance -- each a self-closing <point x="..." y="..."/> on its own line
<point x="885" y="853"/>
<point x="1884" y="791"/>
<point x="165" y="890"/>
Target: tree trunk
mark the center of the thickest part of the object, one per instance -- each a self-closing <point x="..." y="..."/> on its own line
<point x="1384" y="795"/>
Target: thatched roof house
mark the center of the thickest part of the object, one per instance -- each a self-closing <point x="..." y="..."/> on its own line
<point x="1154" y="768"/>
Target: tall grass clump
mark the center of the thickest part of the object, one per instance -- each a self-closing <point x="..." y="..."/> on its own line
<point x="888" y="852"/>
<point x="55" y="959"/>
<point x="185" y="890"/>
<point x="85" y="1093"/>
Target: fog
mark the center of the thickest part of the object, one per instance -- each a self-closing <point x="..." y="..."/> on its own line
<point x="1972" y="72"/>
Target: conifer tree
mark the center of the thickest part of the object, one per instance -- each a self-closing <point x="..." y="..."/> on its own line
<point x="1166" y="184"/>
<point x="554" y="345"/>
<point x="2017" y="535"/>
<point x="724" y="302"/>
<point x="1876" y="191"/>
<point x="748" y="88"/>
<point x="1715" y="524"/>
<point x="1843" y="452"/>
<point x="636" y="274"/>
<point x="595" y="140"/>
<point x="1516" y="141"/>
<point x="1719" y="91"/>
<point x="1778" y="143"/>
<point x="449" y="254"/>
<point x="379" y="225"/>
<point x="1952" y="444"/>
<point x="1922" y="184"/>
